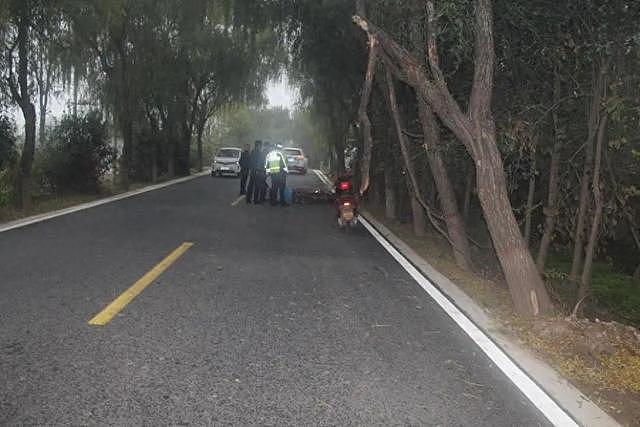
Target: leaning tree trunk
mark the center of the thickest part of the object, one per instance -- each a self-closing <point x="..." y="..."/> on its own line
<point x="513" y="253"/>
<point x="456" y="228"/>
<point x="585" y="278"/>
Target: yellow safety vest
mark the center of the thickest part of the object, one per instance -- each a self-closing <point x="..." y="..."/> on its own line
<point x="273" y="162"/>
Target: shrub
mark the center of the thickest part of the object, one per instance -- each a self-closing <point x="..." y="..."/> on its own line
<point x="77" y="154"/>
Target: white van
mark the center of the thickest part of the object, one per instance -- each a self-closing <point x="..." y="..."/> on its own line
<point x="226" y="161"/>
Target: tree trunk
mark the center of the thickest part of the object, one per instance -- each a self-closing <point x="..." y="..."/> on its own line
<point x="389" y="194"/>
<point x="530" y="198"/>
<point x="365" y="123"/>
<point x="455" y="224"/>
<point x="476" y="130"/>
<point x="594" y="114"/>
<point x="44" y="87"/>
<point x="468" y="191"/>
<point x="515" y="258"/>
<point x="585" y="278"/>
<point x="419" y="218"/>
<point x="200" y="162"/>
<point x="21" y="95"/>
<point x="24" y="184"/>
<point x="43" y="118"/>
<point x="551" y="210"/>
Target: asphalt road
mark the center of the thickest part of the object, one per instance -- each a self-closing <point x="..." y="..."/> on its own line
<point x="273" y="317"/>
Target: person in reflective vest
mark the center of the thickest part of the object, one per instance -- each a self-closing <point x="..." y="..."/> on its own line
<point x="276" y="165"/>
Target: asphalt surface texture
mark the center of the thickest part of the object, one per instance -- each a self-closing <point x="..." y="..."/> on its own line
<point x="273" y="317"/>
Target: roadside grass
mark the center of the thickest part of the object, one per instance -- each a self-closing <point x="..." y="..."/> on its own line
<point x="601" y="358"/>
<point x="615" y="295"/>
<point x="44" y="203"/>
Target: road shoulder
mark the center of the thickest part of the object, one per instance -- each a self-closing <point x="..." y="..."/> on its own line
<point x="579" y="406"/>
<point x="23" y="222"/>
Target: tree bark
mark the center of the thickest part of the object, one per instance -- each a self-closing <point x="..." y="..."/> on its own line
<point x="365" y="123"/>
<point x="468" y="191"/>
<point x="126" y="119"/>
<point x="456" y="228"/>
<point x="594" y="118"/>
<point x="585" y="278"/>
<point x="200" y="133"/>
<point x="530" y="198"/>
<point x="551" y="210"/>
<point x="44" y="88"/>
<point x="513" y="253"/>
<point x="20" y="94"/>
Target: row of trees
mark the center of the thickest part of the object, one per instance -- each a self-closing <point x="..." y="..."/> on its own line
<point x="158" y="70"/>
<point x="528" y="111"/>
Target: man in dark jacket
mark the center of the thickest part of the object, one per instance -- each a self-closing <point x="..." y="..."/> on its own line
<point x="257" y="174"/>
<point x="244" y="168"/>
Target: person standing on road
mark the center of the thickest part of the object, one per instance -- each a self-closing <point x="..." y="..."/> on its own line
<point x="245" y="166"/>
<point x="277" y="167"/>
<point x="256" y="173"/>
<point x="266" y="149"/>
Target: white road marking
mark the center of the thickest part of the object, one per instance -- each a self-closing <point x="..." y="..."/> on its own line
<point x="49" y="215"/>
<point x="238" y="200"/>
<point x="326" y="181"/>
<point x="549" y="408"/>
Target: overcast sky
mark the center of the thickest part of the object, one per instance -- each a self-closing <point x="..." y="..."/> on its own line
<point x="279" y="94"/>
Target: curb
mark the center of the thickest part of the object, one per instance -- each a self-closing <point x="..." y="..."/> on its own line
<point x="23" y="222"/>
<point x="579" y="406"/>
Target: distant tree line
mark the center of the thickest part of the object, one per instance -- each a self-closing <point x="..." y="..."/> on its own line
<point x="156" y="71"/>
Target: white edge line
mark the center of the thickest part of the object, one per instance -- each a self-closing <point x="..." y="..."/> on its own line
<point x="540" y="399"/>
<point x="326" y="181"/>
<point x="83" y="206"/>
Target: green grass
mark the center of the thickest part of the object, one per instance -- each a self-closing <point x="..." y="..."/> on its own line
<point x="616" y="296"/>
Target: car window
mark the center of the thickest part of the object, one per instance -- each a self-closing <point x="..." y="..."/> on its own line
<point x="228" y="153"/>
<point x="292" y="152"/>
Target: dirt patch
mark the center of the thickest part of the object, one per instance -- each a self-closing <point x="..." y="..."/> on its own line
<point x="602" y="359"/>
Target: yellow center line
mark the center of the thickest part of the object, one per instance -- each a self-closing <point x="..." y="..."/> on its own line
<point x="110" y="311"/>
<point x="238" y="200"/>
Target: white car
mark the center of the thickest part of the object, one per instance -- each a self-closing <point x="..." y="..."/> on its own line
<point x="226" y="161"/>
<point x="296" y="160"/>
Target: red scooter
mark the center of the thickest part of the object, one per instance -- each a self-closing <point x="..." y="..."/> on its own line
<point x="346" y="202"/>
